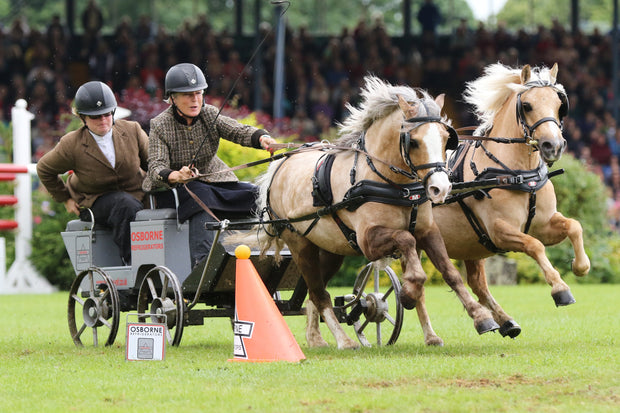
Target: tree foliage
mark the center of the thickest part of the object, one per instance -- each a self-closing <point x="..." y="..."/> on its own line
<point x="529" y="14"/>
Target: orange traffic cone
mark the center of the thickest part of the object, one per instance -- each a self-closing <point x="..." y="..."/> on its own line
<point x="261" y="334"/>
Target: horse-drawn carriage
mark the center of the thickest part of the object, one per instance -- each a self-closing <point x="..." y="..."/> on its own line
<point x="160" y="281"/>
<point x="370" y="194"/>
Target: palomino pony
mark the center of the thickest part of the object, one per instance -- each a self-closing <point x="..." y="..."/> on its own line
<point x="391" y="153"/>
<point x="524" y="217"/>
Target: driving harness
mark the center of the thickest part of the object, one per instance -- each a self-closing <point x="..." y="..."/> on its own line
<point x="386" y="192"/>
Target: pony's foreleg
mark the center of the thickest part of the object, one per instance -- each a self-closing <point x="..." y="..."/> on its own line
<point x="432" y="243"/>
<point x="476" y="278"/>
<point x="558" y="229"/>
<point x="505" y="236"/>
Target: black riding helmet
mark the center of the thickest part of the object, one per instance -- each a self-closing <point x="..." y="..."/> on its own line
<point x="184" y="77"/>
<point x="94" y="98"/>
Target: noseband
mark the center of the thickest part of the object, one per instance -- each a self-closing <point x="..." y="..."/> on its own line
<point x="405" y="146"/>
<point x="528" y="130"/>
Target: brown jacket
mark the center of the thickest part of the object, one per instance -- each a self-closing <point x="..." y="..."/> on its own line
<point x="92" y="173"/>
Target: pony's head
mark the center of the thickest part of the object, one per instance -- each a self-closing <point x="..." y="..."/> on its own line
<point x="424" y="138"/>
<point x="540" y="103"/>
<point x="540" y="109"/>
<point x="403" y="127"/>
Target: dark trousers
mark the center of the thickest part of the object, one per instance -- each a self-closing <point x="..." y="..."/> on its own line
<point x="200" y="240"/>
<point x="116" y="210"/>
<point x="225" y="199"/>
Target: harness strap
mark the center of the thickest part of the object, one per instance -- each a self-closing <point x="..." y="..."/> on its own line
<point x="483" y="237"/>
<point x="200" y="203"/>
<point x="531" y="213"/>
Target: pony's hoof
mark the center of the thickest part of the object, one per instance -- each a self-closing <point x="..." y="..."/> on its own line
<point x="407" y="303"/>
<point x="562" y="298"/>
<point x="510" y="328"/>
<point x="434" y="341"/>
<point x="486" y="325"/>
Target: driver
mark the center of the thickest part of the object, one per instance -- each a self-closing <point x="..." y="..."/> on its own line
<point x="189" y="131"/>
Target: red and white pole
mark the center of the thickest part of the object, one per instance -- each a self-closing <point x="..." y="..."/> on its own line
<point x="22" y="277"/>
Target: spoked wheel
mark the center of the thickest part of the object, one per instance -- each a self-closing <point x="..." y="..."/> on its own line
<point x="160" y="293"/>
<point x="379" y="315"/>
<point x="94" y="292"/>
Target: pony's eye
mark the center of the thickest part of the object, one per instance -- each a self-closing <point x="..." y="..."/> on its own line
<point x="527" y="107"/>
<point x="414" y="144"/>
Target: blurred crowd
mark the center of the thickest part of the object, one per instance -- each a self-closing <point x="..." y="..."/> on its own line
<point x="322" y="75"/>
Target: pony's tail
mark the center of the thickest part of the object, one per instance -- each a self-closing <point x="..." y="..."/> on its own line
<point x="258" y="238"/>
<point x="268" y="242"/>
<point x="263" y="236"/>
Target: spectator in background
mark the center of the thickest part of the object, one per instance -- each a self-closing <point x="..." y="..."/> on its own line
<point x="429" y="18"/>
<point x="600" y="152"/>
<point x="92" y="22"/>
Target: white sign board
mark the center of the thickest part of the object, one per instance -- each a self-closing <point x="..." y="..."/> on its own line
<point x="146" y="341"/>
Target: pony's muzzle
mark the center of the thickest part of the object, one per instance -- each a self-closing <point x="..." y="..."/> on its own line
<point x="552" y="151"/>
<point x="438" y="187"/>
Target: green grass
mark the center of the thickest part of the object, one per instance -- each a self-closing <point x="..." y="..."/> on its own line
<point x="566" y="359"/>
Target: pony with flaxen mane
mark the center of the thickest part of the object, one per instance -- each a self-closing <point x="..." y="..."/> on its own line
<point x="368" y="194"/>
<point x="521" y="113"/>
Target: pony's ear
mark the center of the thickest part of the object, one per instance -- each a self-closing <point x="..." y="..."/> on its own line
<point x="408" y="110"/>
<point x="440" y="99"/>
<point x="526" y="72"/>
<point x="553" y="73"/>
<point x="404" y="106"/>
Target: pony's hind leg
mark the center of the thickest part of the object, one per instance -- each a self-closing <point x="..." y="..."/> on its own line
<point x="330" y="264"/>
<point x="313" y="332"/>
<point x="308" y="258"/>
<point x="432" y="243"/>
<point x="430" y="337"/>
<point x="476" y="278"/>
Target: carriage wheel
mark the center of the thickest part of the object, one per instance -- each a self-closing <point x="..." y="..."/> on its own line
<point x="93" y="291"/>
<point x="383" y="309"/>
<point x="160" y="293"/>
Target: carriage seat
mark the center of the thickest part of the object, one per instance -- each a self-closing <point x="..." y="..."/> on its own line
<point x="79" y="225"/>
<point x="156" y="214"/>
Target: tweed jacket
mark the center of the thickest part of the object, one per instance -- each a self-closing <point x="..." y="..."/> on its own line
<point x="93" y="174"/>
<point x="173" y="145"/>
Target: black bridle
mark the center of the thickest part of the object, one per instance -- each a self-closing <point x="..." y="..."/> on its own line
<point x="405" y="146"/>
<point x="528" y="130"/>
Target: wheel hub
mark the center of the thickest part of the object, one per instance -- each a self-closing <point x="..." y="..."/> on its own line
<point x="165" y="306"/>
<point x="377" y="307"/>
<point x="94" y="311"/>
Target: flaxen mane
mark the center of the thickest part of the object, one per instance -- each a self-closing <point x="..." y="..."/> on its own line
<point x="488" y="93"/>
<point x="380" y="99"/>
